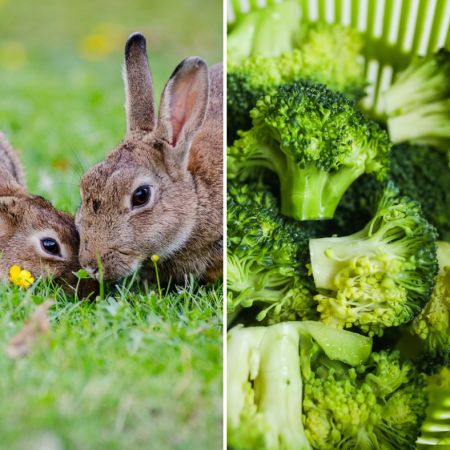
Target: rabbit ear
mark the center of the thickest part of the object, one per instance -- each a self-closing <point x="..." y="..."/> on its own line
<point x="140" y="98"/>
<point x="184" y="104"/>
<point x="11" y="162"/>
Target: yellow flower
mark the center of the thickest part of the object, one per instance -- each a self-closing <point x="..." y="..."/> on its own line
<point x="21" y="278"/>
<point x="155" y="258"/>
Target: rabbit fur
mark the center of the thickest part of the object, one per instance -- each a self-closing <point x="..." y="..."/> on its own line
<point x="179" y="157"/>
<point x="26" y="220"/>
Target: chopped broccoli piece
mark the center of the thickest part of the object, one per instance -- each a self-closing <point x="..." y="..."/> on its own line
<point x="420" y="173"/>
<point x="433" y="323"/>
<point x="316" y="141"/>
<point x="327" y="54"/>
<point x="267" y="256"/>
<point x="443" y="256"/>
<point x="269" y="31"/>
<point x="352" y="398"/>
<point x="381" y="276"/>
<point x="377" y="406"/>
<point x="418" y="102"/>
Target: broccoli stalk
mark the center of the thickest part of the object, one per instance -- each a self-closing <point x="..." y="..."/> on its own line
<point x="418" y="102"/>
<point x="264" y="396"/>
<point x="381" y="276"/>
<point x="316" y="141"/>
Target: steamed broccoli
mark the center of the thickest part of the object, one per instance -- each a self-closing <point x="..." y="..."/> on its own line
<point x="351" y="398"/>
<point x="433" y="323"/>
<point x="270" y="31"/>
<point x="381" y="276"/>
<point x="420" y="173"/>
<point x="326" y="54"/>
<point x="267" y="256"/>
<point x="418" y="102"/>
<point x="316" y="141"/>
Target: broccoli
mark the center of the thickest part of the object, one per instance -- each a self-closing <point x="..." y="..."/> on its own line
<point x="420" y="173"/>
<point x="316" y="141"/>
<point x="327" y="54"/>
<point x="418" y="102"/>
<point x="432" y="325"/>
<point x="381" y="276"/>
<point x="303" y="385"/>
<point x="270" y="31"/>
<point x="267" y="256"/>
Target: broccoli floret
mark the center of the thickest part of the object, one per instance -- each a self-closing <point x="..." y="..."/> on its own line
<point x="381" y="276"/>
<point x="352" y="398"/>
<point x="377" y="406"/>
<point x="316" y="141"/>
<point x="420" y="173"/>
<point x="267" y="255"/>
<point x="327" y="54"/>
<point x="433" y="323"/>
<point x="418" y="102"/>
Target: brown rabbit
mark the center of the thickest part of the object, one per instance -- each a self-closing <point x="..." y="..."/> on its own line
<point x="33" y="234"/>
<point x="160" y="191"/>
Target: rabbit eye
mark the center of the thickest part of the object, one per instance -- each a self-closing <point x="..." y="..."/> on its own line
<point x="141" y="196"/>
<point x="50" y="246"/>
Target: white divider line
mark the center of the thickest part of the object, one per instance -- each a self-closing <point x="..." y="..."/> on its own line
<point x="378" y="23"/>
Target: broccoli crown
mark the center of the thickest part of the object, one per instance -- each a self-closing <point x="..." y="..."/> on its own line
<point x="327" y="54"/>
<point x="379" y="405"/>
<point x="316" y="141"/>
<point x="420" y="173"/>
<point x="265" y="375"/>
<point x="418" y="102"/>
<point x="381" y="276"/>
<point x="267" y="255"/>
<point x="433" y="327"/>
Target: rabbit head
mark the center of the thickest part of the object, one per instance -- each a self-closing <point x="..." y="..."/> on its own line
<point x="33" y="234"/>
<point x="143" y="199"/>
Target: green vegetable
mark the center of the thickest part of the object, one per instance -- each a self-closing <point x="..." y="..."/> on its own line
<point x="303" y="385"/>
<point x="420" y="173"/>
<point x="267" y="256"/>
<point x="316" y="141"/>
<point x="433" y="323"/>
<point x="418" y="102"/>
<point x="269" y="31"/>
<point x="320" y="53"/>
<point x="381" y="276"/>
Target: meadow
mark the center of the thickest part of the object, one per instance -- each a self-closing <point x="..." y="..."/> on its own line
<point x="134" y="369"/>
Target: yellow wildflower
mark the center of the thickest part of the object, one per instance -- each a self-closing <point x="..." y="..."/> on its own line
<point x="155" y="258"/>
<point x="21" y="278"/>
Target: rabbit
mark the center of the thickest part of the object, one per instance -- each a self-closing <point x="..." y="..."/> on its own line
<point x="33" y="234"/>
<point x="160" y="191"/>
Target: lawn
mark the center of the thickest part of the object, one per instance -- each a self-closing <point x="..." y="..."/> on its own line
<point x="135" y="369"/>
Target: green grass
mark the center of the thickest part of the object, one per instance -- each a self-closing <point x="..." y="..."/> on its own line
<point x="132" y="371"/>
<point x="120" y="373"/>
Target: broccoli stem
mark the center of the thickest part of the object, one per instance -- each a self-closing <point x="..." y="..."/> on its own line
<point x="327" y="264"/>
<point x="278" y="387"/>
<point x="423" y="125"/>
<point x="312" y="193"/>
